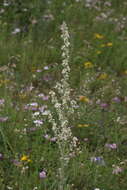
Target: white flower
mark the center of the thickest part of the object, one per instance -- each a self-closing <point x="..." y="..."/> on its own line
<point x="57" y="105"/>
<point x="41" y="95"/>
<point x="2" y="11"/>
<point x="46" y="112"/>
<point x="35" y="188"/>
<point x="35" y="114"/>
<point x="46" y="68"/>
<point x="17" y="30"/>
<point x="5" y="4"/>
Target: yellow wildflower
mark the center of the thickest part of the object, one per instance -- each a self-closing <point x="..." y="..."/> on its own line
<point x="103" y="76"/>
<point x="98" y="52"/>
<point x="125" y="72"/>
<point x="29" y="160"/>
<point x="98" y="36"/>
<point x="88" y="65"/>
<point x="84" y="99"/>
<point x="83" y="125"/>
<point x="25" y="158"/>
<point x="109" y="44"/>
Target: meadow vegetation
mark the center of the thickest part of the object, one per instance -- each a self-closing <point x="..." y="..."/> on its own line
<point x="63" y="95"/>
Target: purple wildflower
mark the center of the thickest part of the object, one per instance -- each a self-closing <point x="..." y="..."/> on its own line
<point x="42" y="174"/>
<point x="111" y="146"/>
<point x="116" y="99"/>
<point x="47" y="136"/>
<point x="104" y="105"/>
<point x="3" y="119"/>
<point x="45" y="97"/>
<point x="117" y="170"/>
<point x="16" y="162"/>
<point x="38" y="70"/>
<point x="32" y="106"/>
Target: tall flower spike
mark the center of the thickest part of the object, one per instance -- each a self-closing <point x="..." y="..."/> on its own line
<point x="64" y="107"/>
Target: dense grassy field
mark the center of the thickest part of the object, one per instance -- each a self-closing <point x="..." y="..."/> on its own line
<point x="32" y="156"/>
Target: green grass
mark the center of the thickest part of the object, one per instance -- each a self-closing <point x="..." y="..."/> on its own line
<point x="37" y="46"/>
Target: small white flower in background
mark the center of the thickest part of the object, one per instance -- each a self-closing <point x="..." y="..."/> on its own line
<point x="34" y="21"/>
<point x="96" y="189"/>
<point x="34" y="76"/>
<point x="35" y="114"/>
<point x="25" y="10"/>
<point x="2" y="10"/>
<point x="35" y="188"/>
<point x="46" y="112"/>
<point x="24" y="168"/>
<point x="5" y="4"/>
<point x="46" y="68"/>
<point x="53" y="139"/>
<point x="16" y="31"/>
<point x="48" y="17"/>
<point x="40" y="95"/>
<point x="10" y="188"/>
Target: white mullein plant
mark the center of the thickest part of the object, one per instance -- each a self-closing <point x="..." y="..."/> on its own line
<point x="64" y="107"/>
